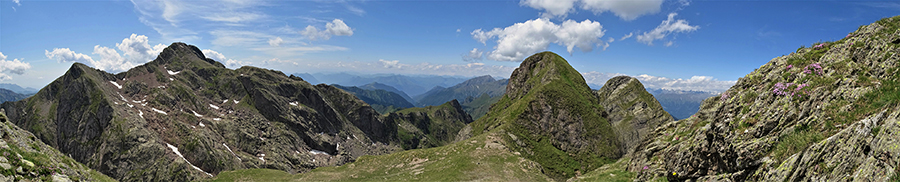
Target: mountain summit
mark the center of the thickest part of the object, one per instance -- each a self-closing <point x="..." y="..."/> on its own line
<point x="551" y="116"/>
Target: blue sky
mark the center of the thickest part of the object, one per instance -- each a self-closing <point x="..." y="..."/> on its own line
<point x="677" y="44"/>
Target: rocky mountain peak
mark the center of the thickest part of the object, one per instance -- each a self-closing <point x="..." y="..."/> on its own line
<point x="180" y="52"/>
<point x="540" y="69"/>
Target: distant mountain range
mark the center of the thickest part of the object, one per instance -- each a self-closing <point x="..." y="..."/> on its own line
<point x="411" y="85"/>
<point x="680" y="103"/>
<point x="8" y="95"/>
<point x="381" y="100"/>
<point x="18" y="89"/>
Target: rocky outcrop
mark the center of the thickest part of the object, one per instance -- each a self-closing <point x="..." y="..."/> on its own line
<point x="633" y="112"/>
<point x="23" y="157"/>
<point x="827" y="112"/>
<point x="552" y="117"/>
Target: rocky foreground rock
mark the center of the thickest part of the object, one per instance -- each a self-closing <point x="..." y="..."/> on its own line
<point x="827" y="112"/>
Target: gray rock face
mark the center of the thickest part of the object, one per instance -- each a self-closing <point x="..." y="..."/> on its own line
<point x="633" y="112"/>
<point x="824" y="113"/>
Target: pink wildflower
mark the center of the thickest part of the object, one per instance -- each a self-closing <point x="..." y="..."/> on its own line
<point x="646" y="167"/>
<point x="790" y="66"/>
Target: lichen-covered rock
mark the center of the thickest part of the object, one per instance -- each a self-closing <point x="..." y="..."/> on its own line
<point x="824" y="113"/>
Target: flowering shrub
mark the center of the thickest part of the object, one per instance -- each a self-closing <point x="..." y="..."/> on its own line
<point x="813" y="68"/>
<point x="817" y="47"/>
<point x="724" y="96"/>
<point x="790" y="89"/>
<point x="790" y="66"/>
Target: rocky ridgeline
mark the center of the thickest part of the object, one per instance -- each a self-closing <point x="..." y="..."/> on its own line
<point x="828" y="112"/>
<point x="23" y="157"/>
<point x="185" y="117"/>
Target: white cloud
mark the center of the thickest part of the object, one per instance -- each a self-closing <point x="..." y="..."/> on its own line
<point x="336" y="27"/>
<point x="627" y="36"/>
<point x="667" y="27"/>
<point x="15" y="66"/>
<point x="523" y="39"/>
<point x="230" y="63"/>
<point x="66" y="55"/>
<point x="473" y="55"/>
<point x="552" y="8"/>
<point x="237" y="17"/>
<point x="135" y="48"/>
<point x="626" y="10"/>
<point x="390" y="64"/>
<point x="228" y="38"/>
<point x="695" y="83"/>
<point x="17" y="3"/>
<point x="138" y="48"/>
<point x="169" y="17"/>
<point x="276" y="42"/>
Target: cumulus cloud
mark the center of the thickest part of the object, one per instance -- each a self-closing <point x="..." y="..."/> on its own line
<point x="336" y="27"/>
<point x="626" y="10"/>
<point x="667" y="27"/>
<point x="523" y="39"/>
<point x="230" y="63"/>
<point x="15" y="66"/>
<point x="138" y="48"/>
<point x="17" y="3"/>
<point x="552" y="8"/>
<point x="66" y="55"/>
<point x="473" y="55"/>
<point x="135" y="48"/>
<point x="276" y="42"/>
<point x="695" y="83"/>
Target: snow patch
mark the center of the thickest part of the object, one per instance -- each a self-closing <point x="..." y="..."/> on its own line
<point x="123" y="97"/>
<point x="201" y="124"/>
<point x="172" y="72"/>
<point x="198" y="115"/>
<point x="217" y="119"/>
<point x="129" y="105"/>
<point x="226" y="101"/>
<point x="232" y="152"/>
<point x="261" y="157"/>
<point x="318" y="152"/>
<point x="116" y="84"/>
<point x="236" y="101"/>
<point x="141" y="113"/>
<point x="293" y="103"/>
<point x="213" y="106"/>
<point x="175" y="149"/>
<point x="159" y="111"/>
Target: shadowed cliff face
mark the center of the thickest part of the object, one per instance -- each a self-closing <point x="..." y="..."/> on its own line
<point x="25" y="157"/>
<point x="184" y="117"/>
<point x="827" y="112"/>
